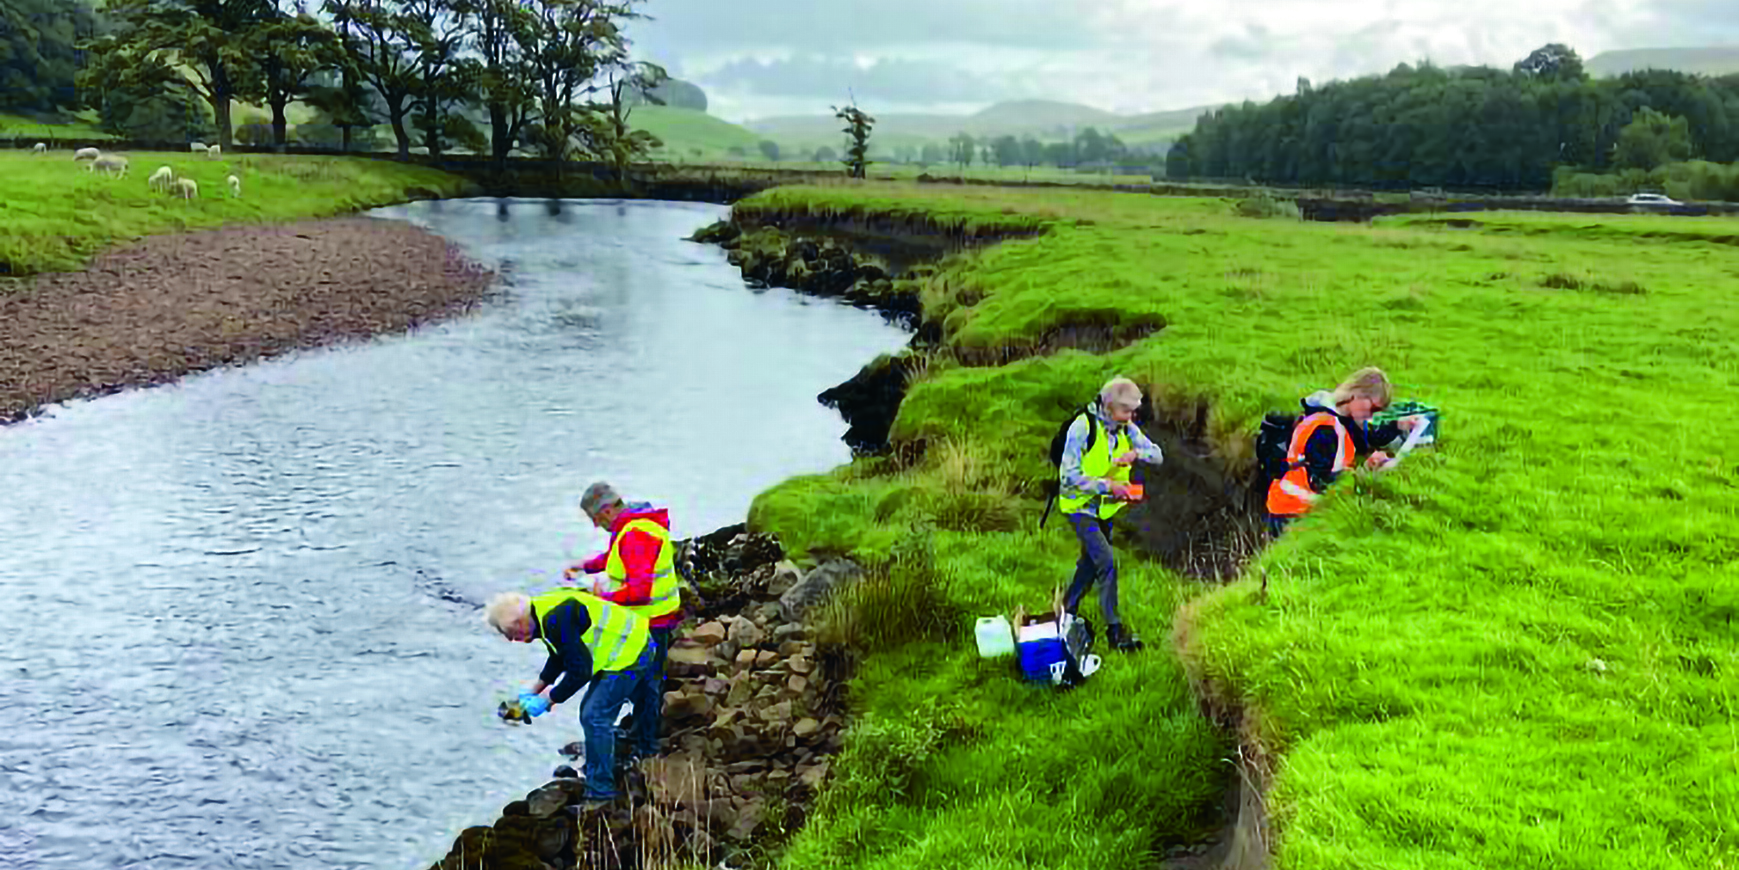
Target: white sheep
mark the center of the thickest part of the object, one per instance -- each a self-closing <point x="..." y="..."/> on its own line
<point x="214" y="152"/>
<point x="40" y="148"/>
<point x="187" y="187"/>
<point x="109" y="163"/>
<point x="196" y="147"/>
<point x="162" y="179"/>
<point x="235" y="186"/>
<point x="86" y="153"/>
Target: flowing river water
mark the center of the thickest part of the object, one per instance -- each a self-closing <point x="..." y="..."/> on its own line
<point x="239" y="624"/>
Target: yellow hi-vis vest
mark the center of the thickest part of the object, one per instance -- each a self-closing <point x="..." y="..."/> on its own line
<point x="1096" y="462"/>
<point x="616" y="638"/>
<point x="666" y="588"/>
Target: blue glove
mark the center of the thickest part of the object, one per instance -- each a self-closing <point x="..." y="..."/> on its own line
<point x="533" y="705"/>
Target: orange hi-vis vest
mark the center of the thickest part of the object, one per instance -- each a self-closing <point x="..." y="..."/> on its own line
<point x="1291" y="494"/>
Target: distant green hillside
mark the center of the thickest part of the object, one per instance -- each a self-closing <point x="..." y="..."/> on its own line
<point x="1156" y="127"/>
<point x="683" y="131"/>
<point x="1708" y="60"/>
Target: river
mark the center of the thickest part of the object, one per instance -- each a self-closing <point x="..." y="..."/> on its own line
<point x="240" y="626"/>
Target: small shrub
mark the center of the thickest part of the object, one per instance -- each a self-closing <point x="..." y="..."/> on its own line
<point x="1267" y="206"/>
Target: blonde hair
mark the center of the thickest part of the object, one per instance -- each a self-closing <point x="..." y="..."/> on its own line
<point x="1366" y="383"/>
<point x="506" y="610"/>
<point x="1121" y="391"/>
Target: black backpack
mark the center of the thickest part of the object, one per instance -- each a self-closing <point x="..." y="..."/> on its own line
<point x="1056" y="455"/>
<point x="1272" y="441"/>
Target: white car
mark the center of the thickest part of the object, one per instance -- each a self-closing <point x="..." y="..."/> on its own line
<point x="1651" y="199"/>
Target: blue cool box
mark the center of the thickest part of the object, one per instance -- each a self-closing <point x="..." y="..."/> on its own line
<point x="1037" y="656"/>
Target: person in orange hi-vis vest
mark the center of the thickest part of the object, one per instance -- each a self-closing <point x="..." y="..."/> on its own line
<point x="1328" y="437"/>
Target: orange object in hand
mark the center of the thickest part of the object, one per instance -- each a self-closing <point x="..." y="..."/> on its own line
<point x="1135" y="491"/>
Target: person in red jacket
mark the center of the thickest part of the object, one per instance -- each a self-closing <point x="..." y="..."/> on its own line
<point x="639" y="572"/>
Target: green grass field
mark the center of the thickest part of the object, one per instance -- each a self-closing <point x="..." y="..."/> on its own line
<point x="690" y="135"/>
<point x="57" y="214"/>
<point x="1516" y="649"/>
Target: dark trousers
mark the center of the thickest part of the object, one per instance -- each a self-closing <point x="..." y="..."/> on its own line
<point x="1095" y="566"/>
<point x="1278" y="524"/>
<point x="649" y="696"/>
<point x="604" y="700"/>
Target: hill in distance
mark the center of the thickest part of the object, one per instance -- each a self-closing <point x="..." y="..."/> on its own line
<point x="1043" y="119"/>
<point x="689" y="134"/>
<point x="1706" y="60"/>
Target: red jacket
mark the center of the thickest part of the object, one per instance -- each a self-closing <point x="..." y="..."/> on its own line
<point x="639" y="555"/>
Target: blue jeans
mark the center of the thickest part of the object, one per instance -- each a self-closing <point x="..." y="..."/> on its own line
<point x="649" y="696"/>
<point x="1096" y="565"/>
<point x="604" y="700"/>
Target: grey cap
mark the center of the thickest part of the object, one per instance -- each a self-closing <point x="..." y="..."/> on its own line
<point x="597" y="497"/>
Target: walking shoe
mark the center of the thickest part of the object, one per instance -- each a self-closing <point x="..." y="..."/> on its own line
<point x="1121" y="640"/>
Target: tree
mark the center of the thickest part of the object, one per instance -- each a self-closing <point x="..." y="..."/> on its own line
<point x="568" y="43"/>
<point x="39" y="52"/>
<point x="203" y="49"/>
<point x="770" y="150"/>
<point x="825" y="154"/>
<point x="857" y="130"/>
<point x="962" y="149"/>
<point x="499" y="29"/>
<point x="381" y="50"/>
<point x="1060" y="154"/>
<point x="1553" y="62"/>
<point x="621" y="143"/>
<point x="1652" y="139"/>
<point x="290" y="49"/>
<point x="1006" y="149"/>
<point x="437" y="30"/>
<point x="1032" y="153"/>
<point x="930" y="155"/>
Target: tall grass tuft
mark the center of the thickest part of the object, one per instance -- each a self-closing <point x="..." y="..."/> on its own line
<point x="901" y="600"/>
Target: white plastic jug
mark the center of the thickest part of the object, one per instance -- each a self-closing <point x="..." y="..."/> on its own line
<point x="995" y="637"/>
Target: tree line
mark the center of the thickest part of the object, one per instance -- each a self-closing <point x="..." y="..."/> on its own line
<point x="1473" y="127"/>
<point x="1089" y="147"/>
<point x="554" y="76"/>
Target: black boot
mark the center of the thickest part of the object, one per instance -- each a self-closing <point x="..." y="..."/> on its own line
<point x="1120" y="639"/>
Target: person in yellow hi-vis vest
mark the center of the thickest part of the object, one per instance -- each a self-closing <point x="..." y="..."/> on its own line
<point x="592" y="641"/>
<point x="1102" y="444"/>
<point x="639" y="572"/>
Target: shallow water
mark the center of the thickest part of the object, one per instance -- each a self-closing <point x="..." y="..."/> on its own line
<point x="240" y="624"/>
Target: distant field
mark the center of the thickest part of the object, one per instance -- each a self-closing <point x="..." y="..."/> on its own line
<point x="57" y="214"/>
<point x="20" y="127"/>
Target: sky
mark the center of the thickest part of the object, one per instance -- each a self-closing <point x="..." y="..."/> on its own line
<point x="758" y="58"/>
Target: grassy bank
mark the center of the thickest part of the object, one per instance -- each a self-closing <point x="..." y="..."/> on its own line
<point x="56" y="214"/>
<point x="1515" y="650"/>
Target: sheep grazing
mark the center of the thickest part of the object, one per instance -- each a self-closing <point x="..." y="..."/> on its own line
<point x="86" y="154"/>
<point x="187" y="188"/>
<point x="197" y="147"/>
<point x="40" y="148"/>
<point x="162" y="179"/>
<point x="214" y="152"/>
<point x="235" y="186"/>
<point x="109" y="163"/>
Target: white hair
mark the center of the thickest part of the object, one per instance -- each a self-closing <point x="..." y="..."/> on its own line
<point x="506" y="610"/>
<point x="1120" y="391"/>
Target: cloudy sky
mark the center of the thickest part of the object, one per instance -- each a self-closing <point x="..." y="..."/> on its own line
<point x="771" y="57"/>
